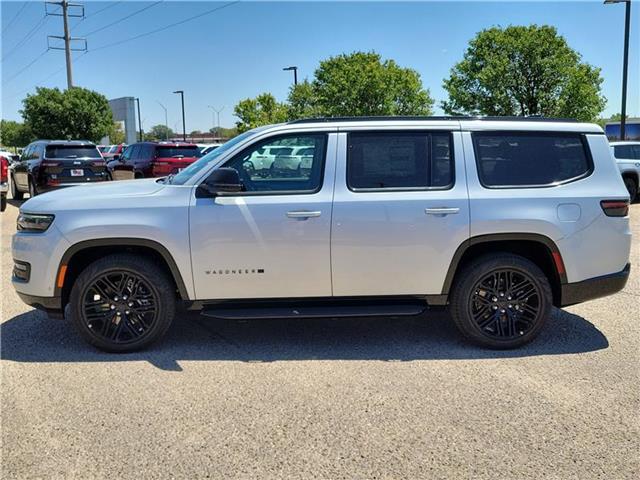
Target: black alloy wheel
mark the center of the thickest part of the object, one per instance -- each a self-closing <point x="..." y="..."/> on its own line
<point x="120" y="307"/>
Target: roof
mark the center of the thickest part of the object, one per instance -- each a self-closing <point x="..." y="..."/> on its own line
<point x="431" y="118"/>
<point x="624" y="142"/>
<point x="66" y="142"/>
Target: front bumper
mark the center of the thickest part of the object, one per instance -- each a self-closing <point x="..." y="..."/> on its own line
<point x="593" y="288"/>
<point x="51" y="305"/>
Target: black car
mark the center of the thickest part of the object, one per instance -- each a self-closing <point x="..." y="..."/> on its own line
<point x="48" y="164"/>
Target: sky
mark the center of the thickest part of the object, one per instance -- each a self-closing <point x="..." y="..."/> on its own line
<point x="239" y="50"/>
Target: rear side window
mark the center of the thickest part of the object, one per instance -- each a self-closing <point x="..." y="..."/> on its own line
<point x="71" y="151"/>
<point x="627" y="152"/>
<point x="177" y="152"/>
<point x="399" y="160"/>
<point x="530" y="159"/>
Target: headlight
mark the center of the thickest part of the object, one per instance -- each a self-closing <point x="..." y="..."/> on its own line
<point x="34" y="222"/>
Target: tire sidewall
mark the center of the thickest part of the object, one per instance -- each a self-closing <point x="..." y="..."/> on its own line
<point x="164" y="300"/>
<point x="464" y="289"/>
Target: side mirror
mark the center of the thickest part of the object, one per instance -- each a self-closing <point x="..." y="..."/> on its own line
<point x="221" y="181"/>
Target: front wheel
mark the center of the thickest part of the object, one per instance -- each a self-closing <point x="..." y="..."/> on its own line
<point x="33" y="191"/>
<point x="122" y="303"/>
<point x="501" y="301"/>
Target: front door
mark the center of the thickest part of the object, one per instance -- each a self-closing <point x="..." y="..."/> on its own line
<point x="401" y="210"/>
<point x="272" y="240"/>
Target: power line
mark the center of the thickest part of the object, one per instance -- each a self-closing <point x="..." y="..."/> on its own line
<point x="29" y="34"/>
<point x="157" y="30"/>
<point x="98" y="11"/>
<point x="123" y="18"/>
<point x="26" y="66"/>
<point x="15" y="17"/>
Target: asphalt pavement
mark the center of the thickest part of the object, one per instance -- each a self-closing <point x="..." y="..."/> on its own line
<point x="335" y="398"/>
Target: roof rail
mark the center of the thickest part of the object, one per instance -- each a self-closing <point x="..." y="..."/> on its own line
<point x="454" y="117"/>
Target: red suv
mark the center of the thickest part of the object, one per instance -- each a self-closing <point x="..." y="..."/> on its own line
<point x="157" y="159"/>
<point x="4" y="179"/>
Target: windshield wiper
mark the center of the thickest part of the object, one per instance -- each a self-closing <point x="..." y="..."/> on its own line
<point x="169" y="178"/>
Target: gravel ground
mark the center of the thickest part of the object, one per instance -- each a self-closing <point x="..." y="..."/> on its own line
<point x="367" y="398"/>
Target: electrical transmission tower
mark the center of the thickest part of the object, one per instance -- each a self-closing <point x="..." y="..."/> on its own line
<point x="73" y="10"/>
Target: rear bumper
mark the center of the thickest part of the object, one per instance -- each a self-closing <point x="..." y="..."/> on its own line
<point x="593" y="288"/>
<point x="4" y="187"/>
<point x="51" y="305"/>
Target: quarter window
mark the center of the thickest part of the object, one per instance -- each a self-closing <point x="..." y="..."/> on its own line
<point x="518" y="159"/>
<point x="281" y="165"/>
<point x="399" y="160"/>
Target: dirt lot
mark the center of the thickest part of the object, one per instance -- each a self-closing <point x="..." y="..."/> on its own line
<point x="374" y="398"/>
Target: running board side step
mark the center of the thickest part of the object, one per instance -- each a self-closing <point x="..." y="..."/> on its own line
<point x="320" y="311"/>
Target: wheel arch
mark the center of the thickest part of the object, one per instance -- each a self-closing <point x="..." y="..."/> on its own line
<point x="538" y="248"/>
<point x="80" y="254"/>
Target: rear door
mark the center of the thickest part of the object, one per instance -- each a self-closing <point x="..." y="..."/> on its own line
<point x="400" y="211"/>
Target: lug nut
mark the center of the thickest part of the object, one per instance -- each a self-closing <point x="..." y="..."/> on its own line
<point x="126" y="312"/>
<point x="112" y="307"/>
<point x="115" y="299"/>
<point x="130" y="304"/>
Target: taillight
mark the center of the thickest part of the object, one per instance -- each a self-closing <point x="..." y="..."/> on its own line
<point x="615" y="208"/>
<point x="50" y="163"/>
<point x="4" y="170"/>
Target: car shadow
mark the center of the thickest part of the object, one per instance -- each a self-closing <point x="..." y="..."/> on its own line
<point x="32" y="337"/>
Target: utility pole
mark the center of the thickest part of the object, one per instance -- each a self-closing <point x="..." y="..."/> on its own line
<point x="139" y="119"/>
<point x="166" y="121"/>
<point x="214" y="109"/>
<point x="625" y="64"/>
<point x="184" y="128"/>
<point x="68" y="48"/>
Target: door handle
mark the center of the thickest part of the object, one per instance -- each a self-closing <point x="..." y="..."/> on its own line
<point x="304" y="214"/>
<point x="442" y="211"/>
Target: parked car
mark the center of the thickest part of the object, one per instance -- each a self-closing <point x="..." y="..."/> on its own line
<point x="627" y="155"/>
<point x="207" y="147"/>
<point x="111" y="152"/>
<point x="4" y="182"/>
<point x="11" y="157"/>
<point x="157" y="159"/>
<point x="498" y="220"/>
<point x="49" y="164"/>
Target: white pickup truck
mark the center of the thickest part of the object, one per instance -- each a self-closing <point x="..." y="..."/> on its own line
<point x="627" y="155"/>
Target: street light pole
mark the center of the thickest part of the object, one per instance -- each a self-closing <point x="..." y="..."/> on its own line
<point x="295" y="73"/>
<point x="184" y="128"/>
<point x="625" y="64"/>
<point x="214" y="109"/>
<point x="166" y="121"/>
<point x="139" y="120"/>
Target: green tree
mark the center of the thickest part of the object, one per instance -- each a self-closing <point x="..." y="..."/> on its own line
<point x="15" y="134"/>
<point x="523" y="70"/>
<point x="116" y="134"/>
<point x="76" y="113"/>
<point x="262" y="110"/>
<point x="302" y="102"/>
<point x="159" y="132"/>
<point x="224" y="132"/>
<point x="362" y="83"/>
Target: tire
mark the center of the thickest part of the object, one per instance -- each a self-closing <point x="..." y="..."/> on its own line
<point x="3" y="203"/>
<point x="15" y="193"/>
<point x="510" y="318"/>
<point x="632" y="188"/>
<point x="105" y="317"/>
<point x="33" y="191"/>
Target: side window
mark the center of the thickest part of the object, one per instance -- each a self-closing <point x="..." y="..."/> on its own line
<point x="282" y="170"/>
<point x="624" y="151"/>
<point x="530" y="159"/>
<point x="636" y="149"/>
<point x="26" y="153"/>
<point x="126" y="154"/>
<point x="135" y="152"/>
<point x="399" y="160"/>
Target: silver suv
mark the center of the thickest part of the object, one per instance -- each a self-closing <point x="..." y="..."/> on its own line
<point x="498" y="219"/>
<point x="627" y="155"/>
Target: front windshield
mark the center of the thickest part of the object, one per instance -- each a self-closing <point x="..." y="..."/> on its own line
<point x="182" y="177"/>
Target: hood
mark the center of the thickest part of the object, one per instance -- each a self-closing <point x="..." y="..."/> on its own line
<point x="95" y="195"/>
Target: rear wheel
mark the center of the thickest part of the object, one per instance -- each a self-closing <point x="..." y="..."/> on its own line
<point x="122" y="303"/>
<point x="632" y="188"/>
<point x="15" y="193"/>
<point x="501" y="301"/>
<point x="3" y="203"/>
